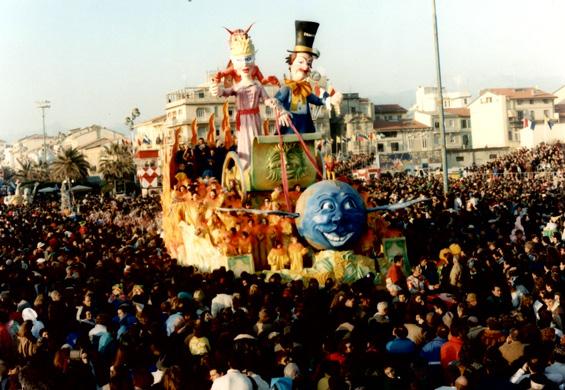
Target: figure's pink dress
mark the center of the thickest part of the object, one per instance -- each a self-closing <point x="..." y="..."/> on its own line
<point x="248" y="118"/>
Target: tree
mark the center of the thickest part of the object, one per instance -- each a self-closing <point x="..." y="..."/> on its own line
<point x="116" y="163"/>
<point x="70" y="164"/>
<point x="31" y="171"/>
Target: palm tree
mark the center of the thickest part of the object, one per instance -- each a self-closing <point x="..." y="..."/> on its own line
<point x="70" y="164"/>
<point x="31" y="171"/>
<point x="116" y="163"/>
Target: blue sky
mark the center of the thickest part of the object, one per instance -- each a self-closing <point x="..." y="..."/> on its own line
<point x="97" y="59"/>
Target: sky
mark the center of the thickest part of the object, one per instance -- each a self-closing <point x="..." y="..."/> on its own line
<point x="97" y="59"/>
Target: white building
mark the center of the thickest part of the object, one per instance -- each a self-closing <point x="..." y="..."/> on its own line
<point x="91" y="141"/>
<point x="426" y="99"/>
<point x="29" y="148"/>
<point x="187" y="104"/>
<point x="499" y="114"/>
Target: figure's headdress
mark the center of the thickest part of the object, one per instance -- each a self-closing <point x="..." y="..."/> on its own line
<point x="305" y="35"/>
<point x="240" y="42"/>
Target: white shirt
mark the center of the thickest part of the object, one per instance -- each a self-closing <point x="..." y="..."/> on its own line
<point x="233" y="380"/>
<point x="220" y="302"/>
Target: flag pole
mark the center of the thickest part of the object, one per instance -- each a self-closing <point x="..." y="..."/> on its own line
<point x="439" y="105"/>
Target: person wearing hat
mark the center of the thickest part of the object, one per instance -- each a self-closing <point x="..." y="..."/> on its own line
<point x="296" y="95"/>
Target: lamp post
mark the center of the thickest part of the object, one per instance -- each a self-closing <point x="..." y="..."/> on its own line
<point x="43" y="104"/>
<point x="130" y="120"/>
<point x="439" y="104"/>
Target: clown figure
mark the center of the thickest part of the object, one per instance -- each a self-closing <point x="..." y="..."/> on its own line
<point x="296" y="95"/>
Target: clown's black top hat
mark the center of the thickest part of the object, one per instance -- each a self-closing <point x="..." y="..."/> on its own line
<point x="305" y="35"/>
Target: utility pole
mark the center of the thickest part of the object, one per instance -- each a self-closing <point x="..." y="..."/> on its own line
<point x="43" y="104"/>
<point x="439" y="104"/>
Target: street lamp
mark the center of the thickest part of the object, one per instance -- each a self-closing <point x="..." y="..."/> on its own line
<point x="130" y="122"/>
<point x="130" y="119"/>
<point x="43" y="104"/>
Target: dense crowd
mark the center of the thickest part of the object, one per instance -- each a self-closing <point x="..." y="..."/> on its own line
<point x="93" y="299"/>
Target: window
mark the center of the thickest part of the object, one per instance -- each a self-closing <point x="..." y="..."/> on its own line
<point x="436" y="125"/>
<point x="517" y="136"/>
<point x="492" y="156"/>
<point x="410" y="143"/>
<point x="465" y="139"/>
<point x="380" y="148"/>
<point x="394" y="147"/>
<point x="200" y="112"/>
<point x="201" y="95"/>
<point x="353" y="110"/>
<point x="532" y="115"/>
<point x="545" y="101"/>
<point x="230" y="113"/>
<point x="509" y="135"/>
<point x="424" y="142"/>
<point x="268" y="111"/>
<point x="488" y="99"/>
<point x="398" y="117"/>
<point x="459" y="158"/>
<point x="436" y="139"/>
<point x="546" y="114"/>
<point x="531" y="101"/>
<point x="463" y="123"/>
<point x="451" y="139"/>
<point x="451" y="123"/>
<point x="519" y="102"/>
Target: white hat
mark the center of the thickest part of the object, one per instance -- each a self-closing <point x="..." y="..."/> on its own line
<point x="29" y="314"/>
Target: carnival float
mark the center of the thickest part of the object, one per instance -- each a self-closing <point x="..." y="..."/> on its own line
<point x="258" y="218"/>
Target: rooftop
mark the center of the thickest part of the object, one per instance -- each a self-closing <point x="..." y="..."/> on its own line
<point x="520" y="93"/>
<point x="402" y="125"/>
<point x="389" y="108"/>
<point x="463" y="111"/>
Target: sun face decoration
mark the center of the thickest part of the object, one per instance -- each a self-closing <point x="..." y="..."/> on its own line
<point x="295" y="162"/>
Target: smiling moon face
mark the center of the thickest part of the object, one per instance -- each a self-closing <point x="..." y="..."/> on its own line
<point x="332" y="215"/>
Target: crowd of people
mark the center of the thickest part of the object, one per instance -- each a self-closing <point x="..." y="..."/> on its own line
<point x="94" y="300"/>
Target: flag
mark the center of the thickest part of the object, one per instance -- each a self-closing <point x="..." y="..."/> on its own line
<point x="361" y="137"/>
<point x="228" y="139"/>
<point x="194" y="139"/>
<point x="548" y="122"/>
<point x="532" y="124"/>
<point x="210" y="138"/>
<point x="526" y="124"/>
<point x="146" y="140"/>
<point x="266" y="127"/>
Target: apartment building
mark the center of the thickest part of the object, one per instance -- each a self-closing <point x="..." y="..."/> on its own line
<point x="499" y="115"/>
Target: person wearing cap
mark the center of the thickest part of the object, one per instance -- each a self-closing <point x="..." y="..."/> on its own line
<point x="296" y="95"/>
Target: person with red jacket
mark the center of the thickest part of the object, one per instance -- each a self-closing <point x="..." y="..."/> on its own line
<point x="451" y="349"/>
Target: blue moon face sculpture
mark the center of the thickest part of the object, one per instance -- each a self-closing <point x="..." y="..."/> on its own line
<point x="332" y="215"/>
